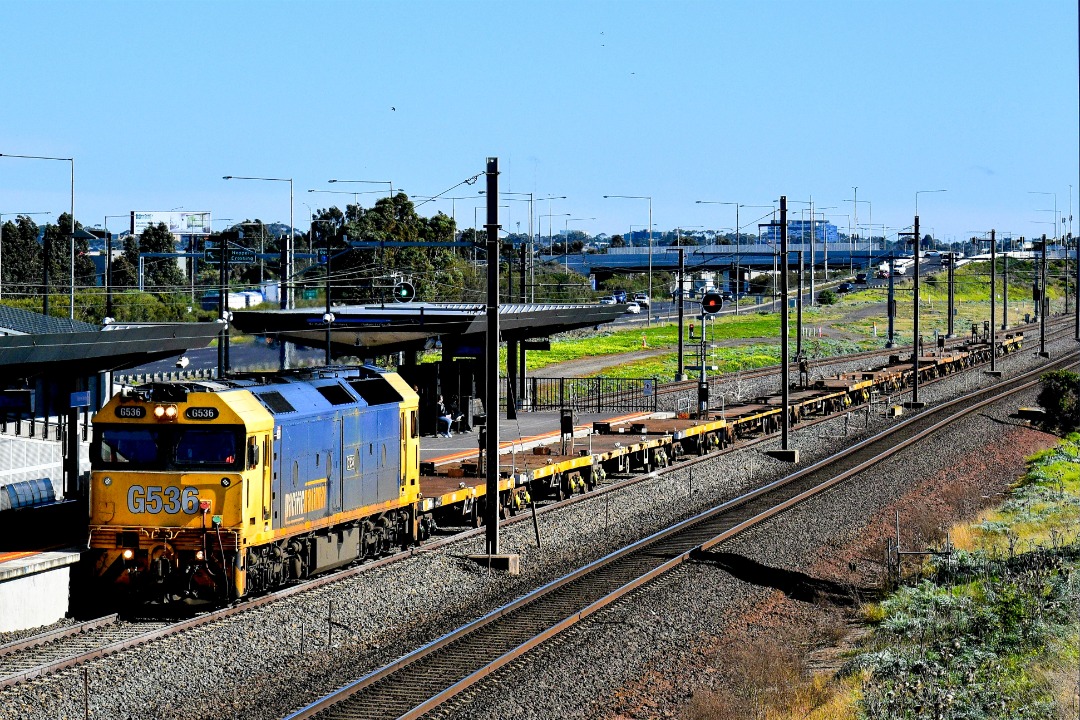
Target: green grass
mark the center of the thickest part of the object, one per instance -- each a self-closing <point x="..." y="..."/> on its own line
<point x="993" y="632"/>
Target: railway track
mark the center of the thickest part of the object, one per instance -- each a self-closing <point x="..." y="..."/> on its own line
<point x="1055" y="326"/>
<point x="422" y="680"/>
<point x="69" y="646"/>
<point x="78" y="644"/>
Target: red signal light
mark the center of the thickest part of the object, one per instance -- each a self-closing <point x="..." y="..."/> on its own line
<point x="712" y="302"/>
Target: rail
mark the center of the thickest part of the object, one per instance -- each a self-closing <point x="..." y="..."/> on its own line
<point x="434" y="673"/>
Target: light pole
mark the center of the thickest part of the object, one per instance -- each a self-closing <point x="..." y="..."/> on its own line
<point x="649" y="198"/>
<point x="286" y="301"/>
<point x="1055" y="210"/>
<point x="108" y="266"/>
<point x="17" y="216"/>
<point x="566" y="240"/>
<point x="917" y="340"/>
<point x="550" y="234"/>
<point x="368" y="182"/>
<point x="527" y="250"/>
<point x="919" y="192"/>
<point x="356" y="200"/>
<point x="738" y="237"/>
<point x="45" y="265"/>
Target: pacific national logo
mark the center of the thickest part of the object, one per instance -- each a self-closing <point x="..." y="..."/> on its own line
<point x="301" y="502"/>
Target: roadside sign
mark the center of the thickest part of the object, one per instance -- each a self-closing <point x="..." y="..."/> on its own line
<point x="237" y="255"/>
<point x="80" y="399"/>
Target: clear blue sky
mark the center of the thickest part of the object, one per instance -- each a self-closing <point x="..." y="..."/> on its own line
<point x="679" y="100"/>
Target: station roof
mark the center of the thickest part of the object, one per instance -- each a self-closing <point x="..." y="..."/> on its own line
<point x="33" y="345"/>
<point x="413" y="326"/>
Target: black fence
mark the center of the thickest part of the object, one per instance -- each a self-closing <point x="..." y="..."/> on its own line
<point x="592" y="394"/>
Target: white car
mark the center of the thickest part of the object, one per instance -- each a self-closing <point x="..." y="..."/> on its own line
<point x="607" y="300"/>
<point x="641" y="299"/>
<point x="633" y="308"/>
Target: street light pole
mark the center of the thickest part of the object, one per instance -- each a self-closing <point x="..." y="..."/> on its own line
<point x="45" y="271"/>
<point x="649" y="198"/>
<point x="566" y="242"/>
<point x="286" y="300"/>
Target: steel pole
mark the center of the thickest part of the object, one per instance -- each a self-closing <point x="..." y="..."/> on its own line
<point x="993" y="301"/>
<point x="681" y="373"/>
<point x="798" y="309"/>
<point x="1044" y="301"/>
<point x="785" y="361"/>
<point x="491" y="360"/>
<point x="916" y="339"/>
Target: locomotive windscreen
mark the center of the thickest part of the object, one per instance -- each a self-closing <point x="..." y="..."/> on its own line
<point x="376" y="391"/>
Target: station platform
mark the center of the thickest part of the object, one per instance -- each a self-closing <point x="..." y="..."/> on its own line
<point x="34" y="587"/>
<point x="527" y="431"/>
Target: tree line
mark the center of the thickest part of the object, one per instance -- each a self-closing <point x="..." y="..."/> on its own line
<point x="438" y="272"/>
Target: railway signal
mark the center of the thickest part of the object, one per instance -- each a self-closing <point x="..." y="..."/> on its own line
<point x="404" y="292"/>
<point x="712" y="302"/>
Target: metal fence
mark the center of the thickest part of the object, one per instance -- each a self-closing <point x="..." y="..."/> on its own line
<point x="591" y="394"/>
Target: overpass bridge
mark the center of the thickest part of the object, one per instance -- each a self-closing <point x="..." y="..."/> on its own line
<point x="759" y="256"/>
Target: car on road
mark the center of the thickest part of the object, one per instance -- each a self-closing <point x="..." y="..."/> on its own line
<point x="727" y="296"/>
<point x="861" y="278"/>
<point x="642" y="299"/>
<point x="632" y="308"/>
<point x="882" y="274"/>
<point x="607" y="300"/>
<point x="844" y="287"/>
<point x="620" y="296"/>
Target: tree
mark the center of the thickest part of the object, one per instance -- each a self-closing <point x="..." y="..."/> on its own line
<point x="62" y="249"/>
<point x="617" y="241"/>
<point x="159" y="273"/>
<point x="21" y="256"/>
<point x="1060" y="397"/>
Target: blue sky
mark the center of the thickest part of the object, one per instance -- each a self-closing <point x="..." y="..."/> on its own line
<point x="678" y="100"/>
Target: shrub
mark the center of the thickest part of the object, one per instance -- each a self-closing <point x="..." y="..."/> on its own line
<point x="1058" y="397"/>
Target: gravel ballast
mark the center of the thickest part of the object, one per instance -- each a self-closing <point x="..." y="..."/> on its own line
<point x="272" y="660"/>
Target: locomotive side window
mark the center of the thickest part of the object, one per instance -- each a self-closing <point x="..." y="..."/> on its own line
<point x="414" y="424"/>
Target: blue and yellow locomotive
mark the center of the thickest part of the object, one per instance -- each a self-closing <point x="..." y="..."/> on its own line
<point x="215" y="490"/>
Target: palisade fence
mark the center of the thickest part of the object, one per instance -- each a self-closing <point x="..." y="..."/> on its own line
<point x="587" y="394"/>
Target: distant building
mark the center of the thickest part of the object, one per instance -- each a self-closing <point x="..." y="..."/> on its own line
<point x="799" y="231"/>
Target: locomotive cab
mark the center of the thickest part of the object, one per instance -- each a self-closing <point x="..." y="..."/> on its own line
<point x="174" y="470"/>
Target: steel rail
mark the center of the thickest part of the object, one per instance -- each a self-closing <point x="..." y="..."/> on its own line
<point x="568" y="600"/>
<point x="157" y="633"/>
<point x="59" y="633"/>
<point x="677" y="386"/>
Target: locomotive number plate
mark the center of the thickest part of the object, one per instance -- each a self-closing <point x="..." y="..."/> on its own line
<point x="201" y="413"/>
<point x="130" y="411"/>
<point x="156" y="499"/>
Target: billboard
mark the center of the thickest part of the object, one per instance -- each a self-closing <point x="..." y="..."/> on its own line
<point x="178" y="222"/>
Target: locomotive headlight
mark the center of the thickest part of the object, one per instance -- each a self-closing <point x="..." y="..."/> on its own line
<point x="166" y="413"/>
<point x="128" y="553"/>
<point x="199" y="555"/>
<point x="106" y="481"/>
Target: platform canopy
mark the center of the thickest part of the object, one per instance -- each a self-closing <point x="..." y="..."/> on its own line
<point x="33" y="345"/>
<point x="397" y="327"/>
